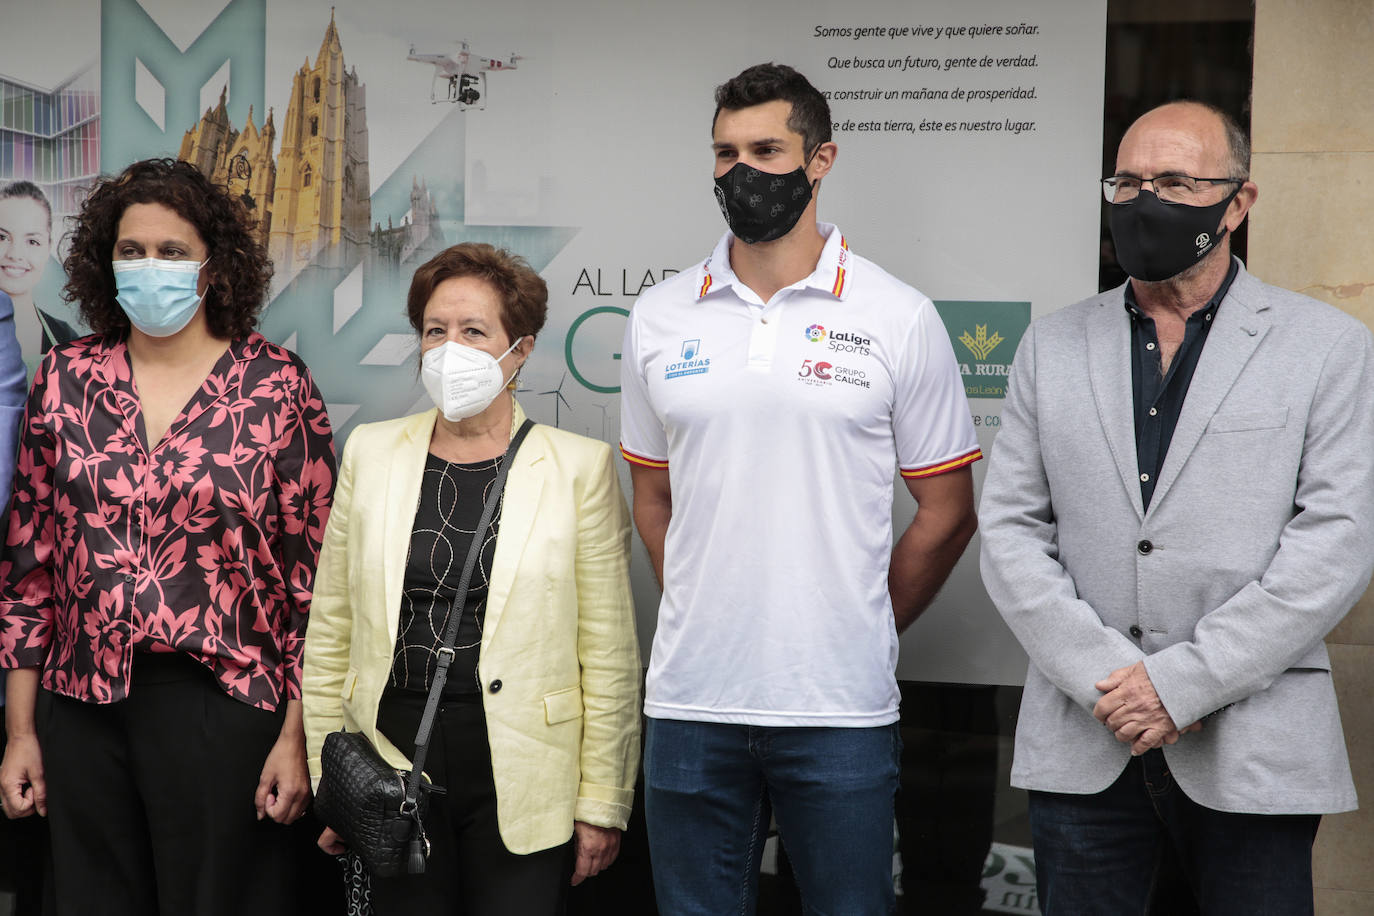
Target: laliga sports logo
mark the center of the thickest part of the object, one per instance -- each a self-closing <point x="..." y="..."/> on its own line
<point x="815" y="333"/>
<point x="1202" y="241"/>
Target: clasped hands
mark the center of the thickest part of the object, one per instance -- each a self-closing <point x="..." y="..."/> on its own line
<point x="1131" y="709"/>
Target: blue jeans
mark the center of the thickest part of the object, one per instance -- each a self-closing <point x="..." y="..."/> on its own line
<point x="1105" y="853"/>
<point x="709" y="792"/>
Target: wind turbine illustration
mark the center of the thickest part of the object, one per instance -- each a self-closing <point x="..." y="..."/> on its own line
<point x="558" y="399"/>
<point x="602" y="408"/>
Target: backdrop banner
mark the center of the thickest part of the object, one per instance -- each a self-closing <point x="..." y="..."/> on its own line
<point x="365" y="137"/>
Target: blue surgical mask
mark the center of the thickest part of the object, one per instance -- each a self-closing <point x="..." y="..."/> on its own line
<point x="160" y="297"/>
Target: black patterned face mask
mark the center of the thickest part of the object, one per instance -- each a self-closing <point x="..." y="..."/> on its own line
<point x="762" y="206"/>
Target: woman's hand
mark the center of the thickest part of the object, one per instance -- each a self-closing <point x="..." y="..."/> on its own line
<point x="22" y="789"/>
<point x="596" y="849"/>
<point x="284" y="789"/>
<point x="331" y="842"/>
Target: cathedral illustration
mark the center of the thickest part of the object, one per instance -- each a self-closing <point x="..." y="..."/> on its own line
<point x="241" y="162"/>
<point x="312" y="204"/>
<point x="418" y="238"/>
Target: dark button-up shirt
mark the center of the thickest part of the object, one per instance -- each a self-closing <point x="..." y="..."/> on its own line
<point x="1159" y="395"/>
<point x="205" y="544"/>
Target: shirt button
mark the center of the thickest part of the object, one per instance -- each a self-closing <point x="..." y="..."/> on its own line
<point x="495" y="686"/>
<point x="1136" y="631"/>
<point x="1144" y="547"/>
<point x="128" y="577"/>
<point x="1144" y="478"/>
<point x="1149" y="346"/>
<point x="1207" y="317"/>
<point x="1153" y="412"/>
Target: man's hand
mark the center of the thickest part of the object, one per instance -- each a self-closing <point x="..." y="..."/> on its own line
<point x="596" y="849"/>
<point x="284" y="788"/>
<point x="22" y="789"/>
<point x="1132" y="710"/>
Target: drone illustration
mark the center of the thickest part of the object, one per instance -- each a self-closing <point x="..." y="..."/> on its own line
<point x="463" y="73"/>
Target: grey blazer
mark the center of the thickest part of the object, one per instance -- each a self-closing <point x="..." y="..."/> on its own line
<point x="1259" y="538"/>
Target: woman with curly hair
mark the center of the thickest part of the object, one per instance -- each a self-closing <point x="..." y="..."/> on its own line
<point x="173" y="482"/>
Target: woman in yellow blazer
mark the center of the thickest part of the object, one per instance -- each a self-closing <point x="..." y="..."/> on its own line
<point x="537" y="739"/>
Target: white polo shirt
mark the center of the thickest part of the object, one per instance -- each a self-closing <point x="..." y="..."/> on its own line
<point x="781" y="425"/>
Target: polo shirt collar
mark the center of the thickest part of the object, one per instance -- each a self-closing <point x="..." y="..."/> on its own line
<point x="831" y="275"/>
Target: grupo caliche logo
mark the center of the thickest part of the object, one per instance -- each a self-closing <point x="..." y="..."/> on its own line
<point x="820" y="373"/>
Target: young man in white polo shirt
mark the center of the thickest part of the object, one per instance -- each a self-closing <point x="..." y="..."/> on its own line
<point x="768" y="395"/>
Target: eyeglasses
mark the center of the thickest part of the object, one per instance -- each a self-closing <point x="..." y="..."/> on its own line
<point x="1175" y="189"/>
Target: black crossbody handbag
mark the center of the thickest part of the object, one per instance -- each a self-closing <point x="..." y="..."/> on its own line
<point x="377" y="809"/>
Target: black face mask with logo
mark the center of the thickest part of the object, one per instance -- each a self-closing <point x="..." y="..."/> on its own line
<point x="1157" y="240"/>
<point x="762" y="206"/>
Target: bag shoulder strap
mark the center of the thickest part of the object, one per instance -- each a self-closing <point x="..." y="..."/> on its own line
<point x="451" y="630"/>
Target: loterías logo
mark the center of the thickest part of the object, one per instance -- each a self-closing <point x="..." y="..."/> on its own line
<point x="815" y="333"/>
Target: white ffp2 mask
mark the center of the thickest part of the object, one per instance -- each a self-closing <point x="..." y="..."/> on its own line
<point x="462" y="380"/>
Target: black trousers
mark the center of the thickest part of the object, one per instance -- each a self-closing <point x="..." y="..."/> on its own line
<point x="150" y="800"/>
<point x="470" y="872"/>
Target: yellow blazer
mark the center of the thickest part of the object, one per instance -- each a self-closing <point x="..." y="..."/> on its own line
<point x="559" y="635"/>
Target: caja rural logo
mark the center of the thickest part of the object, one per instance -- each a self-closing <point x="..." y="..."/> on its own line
<point x="985" y="335"/>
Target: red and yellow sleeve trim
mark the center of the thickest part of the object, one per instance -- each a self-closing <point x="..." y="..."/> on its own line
<point x="641" y="460"/>
<point x="943" y="467"/>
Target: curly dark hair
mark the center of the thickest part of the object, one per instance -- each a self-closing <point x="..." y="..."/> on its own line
<point x="239" y="268"/>
<point x="771" y="82"/>
<point x="524" y="295"/>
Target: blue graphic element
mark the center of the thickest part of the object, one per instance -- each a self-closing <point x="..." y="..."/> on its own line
<point x="690" y="348"/>
<point x="305" y="307"/>
<point x="128" y="34"/>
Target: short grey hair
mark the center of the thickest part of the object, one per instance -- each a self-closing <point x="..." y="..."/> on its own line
<point x="1237" y="140"/>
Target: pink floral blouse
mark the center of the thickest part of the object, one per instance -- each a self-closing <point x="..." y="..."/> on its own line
<point x="207" y="546"/>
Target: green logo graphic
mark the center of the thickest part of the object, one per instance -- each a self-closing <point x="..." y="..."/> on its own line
<point x="985" y="336"/>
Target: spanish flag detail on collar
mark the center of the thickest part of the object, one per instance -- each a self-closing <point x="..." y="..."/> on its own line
<point x="706" y="280"/>
<point x="838" y="289"/>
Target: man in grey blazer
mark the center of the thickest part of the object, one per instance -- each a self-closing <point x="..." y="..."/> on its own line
<point x="1179" y="506"/>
